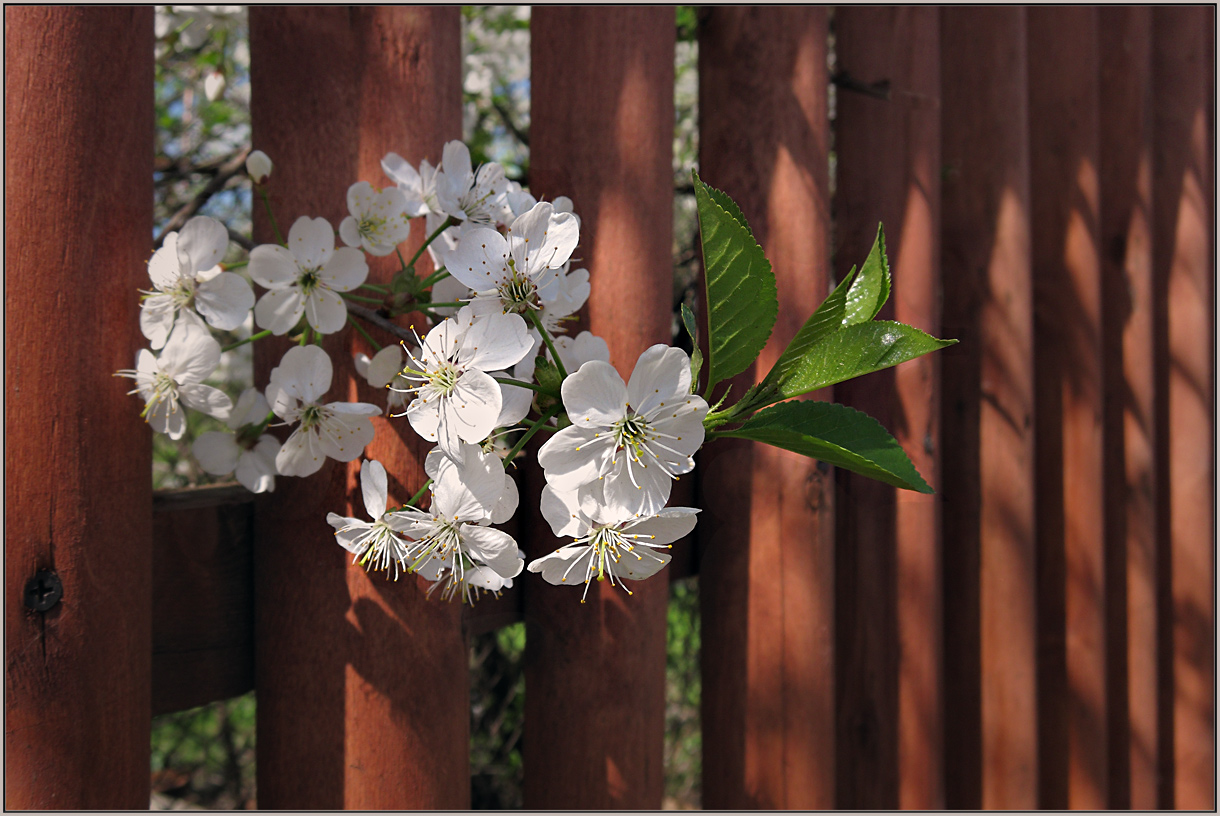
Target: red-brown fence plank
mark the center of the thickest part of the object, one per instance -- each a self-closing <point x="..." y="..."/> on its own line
<point x="78" y="495"/>
<point x="1125" y="160"/>
<point x="887" y="556"/>
<point x="602" y="133"/>
<point x="203" y="596"/>
<point x="987" y="413"/>
<point x="767" y="563"/>
<point x="1183" y="220"/>
<point x="1064" y="214"/>
<point x="361" y="681"/>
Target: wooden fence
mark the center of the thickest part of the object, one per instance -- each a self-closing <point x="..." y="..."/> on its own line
<point x="1039" y="633"/>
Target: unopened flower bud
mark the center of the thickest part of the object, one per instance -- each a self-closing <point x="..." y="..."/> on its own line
<point x="258" y="166"/>
<point x="214" y="85"/>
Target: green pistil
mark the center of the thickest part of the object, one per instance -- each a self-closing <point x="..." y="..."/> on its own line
<point x="310" y="416"/>
<point x="630" y="431"/>
<point x="309" y="281"/>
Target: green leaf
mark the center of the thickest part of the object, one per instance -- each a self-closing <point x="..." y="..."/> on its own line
<point x="872" y="286"/>
<point x="838" y="435"/>
<point x="742" y="306"/>
<point x="827" y="319"/>
<point x="853" y="351"/>
<point x="696" y="356"/>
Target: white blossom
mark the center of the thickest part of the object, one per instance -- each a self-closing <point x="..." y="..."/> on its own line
<point x="339" y="430"/>
<point x="187" y="278"/>
<point x="372" y="544"/>
<point x="305" y="279"/>
<point x="258" y="166"/>
<point x="609" y="544"/>
<point x="189" y="356"/>
<point x="635" y="438"/>
<point x="418" y="188"/>
<point x="214" y="85"/>
<point x="384" y="370"/>
<point x="513" y="272"/>
<point x="378" y="221"/>
<point x="252" y="458"/>
<point x="455" y="398"/>
<point x="450" y="541"/>
<point x="466" y="195"/>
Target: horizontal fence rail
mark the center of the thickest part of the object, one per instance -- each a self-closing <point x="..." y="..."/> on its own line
<point x="1039" y="633"/>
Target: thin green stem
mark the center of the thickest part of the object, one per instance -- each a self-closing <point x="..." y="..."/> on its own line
<point x="376" y="346"/>
<point x="420" y="494"/>
<point x="435" y="278"/>
<point x="375" y="287"/>
<point x="400" y="260"/>
<point x="446" y="224"/>
<point x="522" y="384"/>
<point x="304" y="341"/>
<point x="250" y="339"/>
<point x="533" y="429"/>
<point x="262" y="193"/>
<point x="546" y="338"/>
<point x="457" y="304"/>
<point x="235" y="264"/>
<point x="362" y="298"/>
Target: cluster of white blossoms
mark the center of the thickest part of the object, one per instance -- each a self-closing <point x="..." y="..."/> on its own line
<point x="495" y="369"/>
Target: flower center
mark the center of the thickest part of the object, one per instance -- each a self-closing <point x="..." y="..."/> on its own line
<point x="309" y="281"/>
<point x="313" y="415"/>
<point x="183" y="292"/>
<point x="518" y="292"/>
<point x="631" y="431"/>
<point x="369" y="226"/>
<point x="444" y="378"/>
<point x="163" y="388"/>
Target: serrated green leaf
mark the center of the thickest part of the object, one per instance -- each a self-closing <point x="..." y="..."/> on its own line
<point x="741" y="300"/>
<point x="696" y="355"/>
<point x="826" y="319"/>
<point x="729" y="205"/>
<point x="871" y="288"/>
<point x="838" y="435"/>
<point x="853" y="351"/>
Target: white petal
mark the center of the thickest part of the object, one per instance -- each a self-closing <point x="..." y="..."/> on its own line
<point x="401" y="172"/>
<point x="455" y="161"/>
<point x="225" y="300"/>
<point x="594" y="396"/>
<point x="662" y="374"/>
<point x="384" y="366"/>
<point x="311" y="241"/>
<point x="349" y="532"/>
<point x="562" y="511"/>
<point x="482" y="475"/>
<point x="169" y="418"/>
<point x="300" y="455"/>
<point x="349" y="231"/>
<point x="325" y="311"/>
<point x="207" y="399"/>
<point x="191" y="354"/>
<point x="163" y="267"/>
<point x="509" y="500"/>
<point x="157" y="319"/>
<point x="452" y="498"/>
<point x="256" y="467"/>
<point x="345" y="434"/>
<point x="641" y="490"/>
<point x="251" y="409"/>
<point x="305" y="372"/>
<point x="279" y="310"/>
<point x="495" y="548"/>
<point x="474" y="405"/>
<point x="425" y="417"/>
<point x="543" y="239"/>
<point x="480" y="259"/>
<point x="667" y="526"/>
<point x="273" y="267"/>
<point x="374" y="488"/>
<point x="202" y="244"/>
<point x="572" y="457"/>
<point x="216" y="452"/>
<point x="646" y="565"/>
<point x="496" y="341"/>
<point x="557" y="567"/>
<point x="345" y="270"/>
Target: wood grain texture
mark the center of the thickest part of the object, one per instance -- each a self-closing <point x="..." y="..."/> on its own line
<point x="1071" y="461"/>
<point x="767" y="551"/>
<point x="887" y="553"/>
<point x="602" y="133"/>
<point x="78" y="217"/>
<point x="1125" y="159"/>
<point x="362" y="682"/>
<point x="203" y="596"/>
<point x="991" y="744"/>
<point x="1183" y="196"/>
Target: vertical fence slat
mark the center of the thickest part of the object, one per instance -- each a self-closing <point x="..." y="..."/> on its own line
<point x="987" y="413"/>
<point x="1064" y="210"/>
<point x="361" y="682"/>
<point x="767" y="586"/>
<point x="78" y="211"/>
<point x="1126" y="245"/>
<point x="602" y="133"/>
<point x="1182" y="244"/>
<point x="887" y="559"/>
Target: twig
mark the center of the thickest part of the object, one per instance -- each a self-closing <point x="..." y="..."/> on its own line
<point x="241" y="240"/>
<point x="227" y="171"/>
<point x="507" y="118"/>
<point x="877" y="90"/>
<point x="380" y="321"/>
